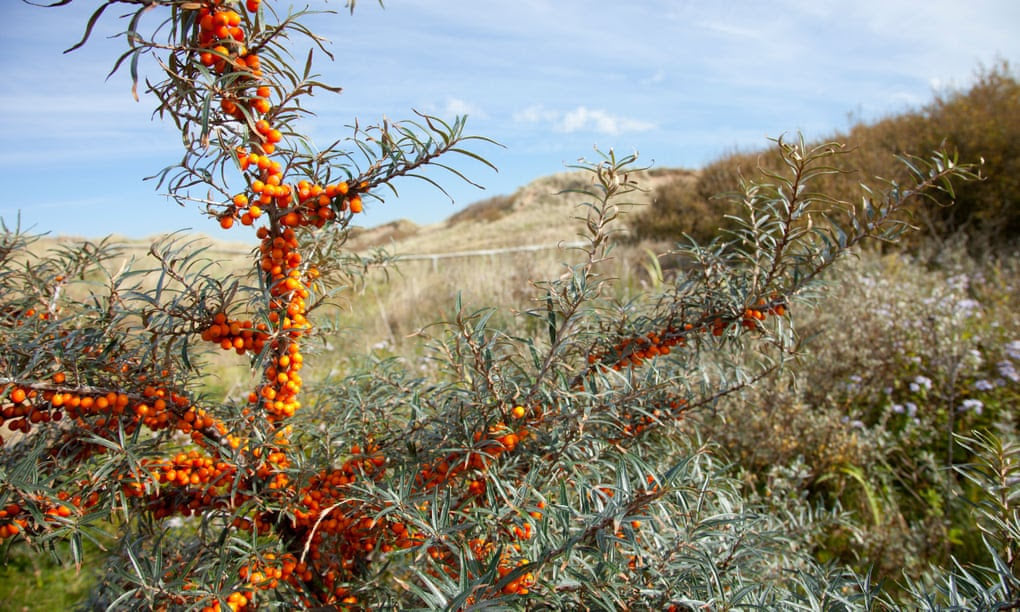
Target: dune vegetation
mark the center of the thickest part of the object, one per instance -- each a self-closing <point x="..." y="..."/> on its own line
<point x="786" y="380"/>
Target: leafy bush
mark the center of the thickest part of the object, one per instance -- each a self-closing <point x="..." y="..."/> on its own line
<point x="904" y="358"/>
<point x="555" y="468"/>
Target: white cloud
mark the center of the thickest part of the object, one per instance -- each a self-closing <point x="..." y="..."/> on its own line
<point x="456" y="106"/>
<point x="535" y="114"/>
<point x="582" y="119"/>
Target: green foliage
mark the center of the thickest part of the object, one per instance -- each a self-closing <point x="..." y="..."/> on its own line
<point x="903" y="357"/>
<point x="568" y="462"/>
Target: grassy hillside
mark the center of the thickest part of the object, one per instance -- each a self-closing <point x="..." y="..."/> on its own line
<point x="981" y="124"/>
<point x="537" y="213"/>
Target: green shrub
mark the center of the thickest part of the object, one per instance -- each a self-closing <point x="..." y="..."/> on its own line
<point x="904" y="356"/>
<point x="551" y="468"/>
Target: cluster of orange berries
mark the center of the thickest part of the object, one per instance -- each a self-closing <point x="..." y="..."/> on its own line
<point x="342" y="535"/>
<point x="339" y="534"/>
<point x="156" y="408"/>
<point x="633" y="352"/>
<point x="500" y="438"/>
<point x="236" y="602"/>
<point x="272" y="471"/>
<point x="270" y="571"/>
<point x="521" y="584"/>
<point x="14" y="518"/>
<point x="263" y="575"/>
<point x="200" y="479"/>
<point x="222" y="38"/>
<point x="241" y="336"/>
<point x="291" y="206"/>
<point x="281" y="380"/>
<point x="634" y="423"/>
<point x="753" y="315"/>
<point x="304" y="203"/>
<point x="482" y="550"/>
<point x="300" y="204"/>
<point x="12" y="521"/>
<point x="19" y="414"/>
<point x="19" y="317"/>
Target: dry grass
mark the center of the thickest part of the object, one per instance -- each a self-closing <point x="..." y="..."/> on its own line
<point x="418" y="292"/>
<point x="541" y="212"/>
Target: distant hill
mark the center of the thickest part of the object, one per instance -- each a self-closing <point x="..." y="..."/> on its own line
<point x="537" y="213"/>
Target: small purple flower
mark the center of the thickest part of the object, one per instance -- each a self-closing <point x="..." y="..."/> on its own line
<point x="1013" y="350"/>
<point x="967" y="307"/>
<point x="983" y="385"/>
<point x="972" y="404"/>
<point x="1008" y="370"/>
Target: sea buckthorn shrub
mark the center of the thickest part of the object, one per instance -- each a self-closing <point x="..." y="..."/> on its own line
<point x="555" y="468"/>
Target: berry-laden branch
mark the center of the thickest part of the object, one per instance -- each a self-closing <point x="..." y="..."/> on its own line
<point x="224" y="65"/>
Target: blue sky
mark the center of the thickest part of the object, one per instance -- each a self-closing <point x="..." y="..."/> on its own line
<point x="679" y="82"/>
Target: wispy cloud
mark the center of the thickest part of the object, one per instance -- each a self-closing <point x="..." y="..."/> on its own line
<point x="535" y="114"/>
<point x="456" y="106"/>
<point x="582" y="119"/>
